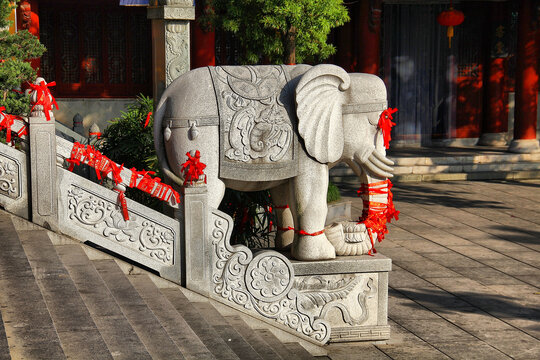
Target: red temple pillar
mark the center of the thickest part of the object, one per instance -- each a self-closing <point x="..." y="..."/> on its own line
<point x="369" y="32"/>
<point x="495" y="114"/>
<point x="203" y="52"/>
<point x="526" y="83"/>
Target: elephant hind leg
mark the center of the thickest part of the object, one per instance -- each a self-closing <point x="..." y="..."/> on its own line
<point x="285" y="210"/>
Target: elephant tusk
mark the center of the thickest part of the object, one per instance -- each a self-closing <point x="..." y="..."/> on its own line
<point x="383" y="158"/>
<point x="378" y="163"/>
<point x="376" y="170"/>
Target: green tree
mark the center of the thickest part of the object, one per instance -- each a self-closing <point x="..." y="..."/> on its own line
<point x="278" y="31"/>
<point x="15" y="49"/>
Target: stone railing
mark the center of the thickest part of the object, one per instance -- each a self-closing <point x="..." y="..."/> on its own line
<point x="35" y="184"/>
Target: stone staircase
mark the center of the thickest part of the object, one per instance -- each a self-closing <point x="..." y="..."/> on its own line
<point x="446" y="164"/>
<point x="60" y="298"/>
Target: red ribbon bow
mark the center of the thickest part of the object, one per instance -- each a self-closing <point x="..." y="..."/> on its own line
<point x="44" y="97"/>
<point x="385" y="124"/>
<point x="193" y="167"/>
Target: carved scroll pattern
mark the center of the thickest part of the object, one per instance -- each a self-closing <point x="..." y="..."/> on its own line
<point x="104" y="218"/>
<point x="318" y="295"/>
<point x="256" y="119"/>
<point x="9" y="177"/>
<point x="263" y="284"/>
<point x="177" y="57"/>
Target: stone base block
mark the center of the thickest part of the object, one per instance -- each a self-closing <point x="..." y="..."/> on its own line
<point x="524" y="146"/>
<point x="349" y="293"/>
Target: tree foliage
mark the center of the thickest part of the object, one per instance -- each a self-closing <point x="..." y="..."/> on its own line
<point x="15" y="49"/>
<point x="278" y="31"/>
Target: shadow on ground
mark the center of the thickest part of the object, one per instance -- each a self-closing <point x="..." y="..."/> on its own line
<point x="467" y="302"/>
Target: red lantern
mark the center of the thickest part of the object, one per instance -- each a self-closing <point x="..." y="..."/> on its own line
<point x="450" y="18"/>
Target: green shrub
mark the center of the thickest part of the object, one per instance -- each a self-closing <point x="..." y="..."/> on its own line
<point x="126" y="141"/>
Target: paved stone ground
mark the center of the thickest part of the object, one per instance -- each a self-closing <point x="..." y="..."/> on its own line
<point x="466" y="272"/>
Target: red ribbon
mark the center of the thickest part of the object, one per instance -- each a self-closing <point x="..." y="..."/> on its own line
<point x="193" y="168"/>
<point x="153" y="186"/>
<point x="147" y="119"/>
<point x="376" y="215"/>
<point x="97" y="134"/>
<point x="123" y="204"/>
<point x="8" y="122"/>
<point x="44" y="97"/>
<point x="385" y="124"/>
<point x="301" y="232"/>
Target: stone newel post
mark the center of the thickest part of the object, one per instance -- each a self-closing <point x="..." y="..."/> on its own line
<point x="197" y="249"/>
<point x="170" y="41"/>
<point x="43" y="166"/>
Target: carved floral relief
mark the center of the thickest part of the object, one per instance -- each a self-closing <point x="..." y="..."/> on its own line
<point x="104" y="218"/>
<point x="9" y="177"/>
<point x="261" y="283"/>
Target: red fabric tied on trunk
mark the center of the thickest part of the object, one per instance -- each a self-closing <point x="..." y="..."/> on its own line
<point x="376" y="215"/>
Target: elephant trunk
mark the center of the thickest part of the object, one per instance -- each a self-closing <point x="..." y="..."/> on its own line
<point x="375" y="163"/>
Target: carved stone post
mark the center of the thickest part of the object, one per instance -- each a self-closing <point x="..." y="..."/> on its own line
<point x="43" y="166"/>
<point x="170" y="41"/>
<point x="197" y="247"/>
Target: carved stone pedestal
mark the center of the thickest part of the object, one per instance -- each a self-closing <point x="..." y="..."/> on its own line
<point x="350" y="293"/>
<point x="338" y="300"/>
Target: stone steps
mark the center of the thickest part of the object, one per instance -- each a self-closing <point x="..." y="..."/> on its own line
<point x="63" y="299"/>
<point x="465" y="165"/>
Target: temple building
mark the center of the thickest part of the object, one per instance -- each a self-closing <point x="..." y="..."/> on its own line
<point x="478" y="87"/>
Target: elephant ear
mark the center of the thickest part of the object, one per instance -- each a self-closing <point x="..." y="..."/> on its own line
<point x="319" y="97"/>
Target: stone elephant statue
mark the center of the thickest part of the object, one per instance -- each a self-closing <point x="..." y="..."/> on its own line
<point x="275" y="127"/>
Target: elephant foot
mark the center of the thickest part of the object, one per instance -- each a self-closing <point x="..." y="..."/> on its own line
<point x="349" y="238"/>
<point x="309" y="248"/>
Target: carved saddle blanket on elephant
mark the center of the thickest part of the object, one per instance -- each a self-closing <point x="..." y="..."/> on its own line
<point x="258" y="140"/>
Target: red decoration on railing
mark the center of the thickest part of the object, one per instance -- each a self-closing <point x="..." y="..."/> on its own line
<point x="376" y="215"/>
<point x="193" y="168"/>
<point x="96" y="134"/>
<point x="44" y="97"/>
<point x="385" y="124"/>
<point x="7" y="123"/>
<point x="139" y="179"/>
<point x="123" y="203"/>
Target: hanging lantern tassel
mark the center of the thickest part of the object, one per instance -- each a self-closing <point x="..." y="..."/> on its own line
<point x="450" y="18"/>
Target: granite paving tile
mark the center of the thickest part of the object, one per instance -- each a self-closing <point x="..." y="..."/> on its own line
<point x="436" y="331"/>
<point x="426" y="268"/>
<point x="513" y="267"/>
<point x="514" y="343"/>
<point x="471" y="350"/>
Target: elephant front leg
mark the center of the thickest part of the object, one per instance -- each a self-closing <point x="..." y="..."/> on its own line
<point x="311" y="187"/>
